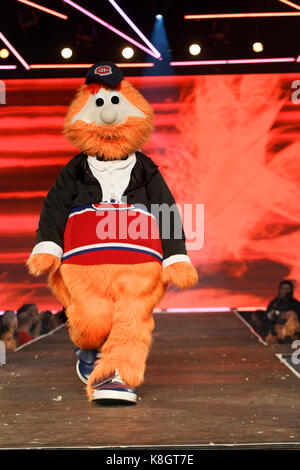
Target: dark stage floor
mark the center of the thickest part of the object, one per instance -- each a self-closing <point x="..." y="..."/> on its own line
<point x="209" y="382"/>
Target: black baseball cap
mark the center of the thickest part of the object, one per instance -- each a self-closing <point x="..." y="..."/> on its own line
<point x="105" y="72"/>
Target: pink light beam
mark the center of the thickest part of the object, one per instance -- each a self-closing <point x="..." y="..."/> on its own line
<point x="109" y="26"/>
<point x="85" y="66"/>
<point x="14" y="52"/>
<point x="8" y="67"/>
<point x="134" y="27"/>
<point x="233" y="61"/>
<point x="46" y="10"/>
<point x="290" y="4"/>
<point x="241" y="15"/>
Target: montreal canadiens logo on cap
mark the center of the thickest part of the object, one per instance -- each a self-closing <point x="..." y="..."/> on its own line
<point x="103" y="70"/>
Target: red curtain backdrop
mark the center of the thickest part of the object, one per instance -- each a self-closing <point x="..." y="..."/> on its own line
<point x="229" y="142"/>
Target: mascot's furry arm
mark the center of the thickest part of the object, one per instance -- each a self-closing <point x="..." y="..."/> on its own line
<point x="48" y="248"/>
<point x="41" y="263"/>
<point x="181" y="274"/>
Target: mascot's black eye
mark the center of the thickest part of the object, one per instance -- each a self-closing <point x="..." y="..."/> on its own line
<point x="99" y="101"/>
<point x="115" y="99"/>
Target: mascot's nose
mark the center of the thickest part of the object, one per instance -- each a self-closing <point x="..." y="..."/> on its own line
<point x="108" y="114"/>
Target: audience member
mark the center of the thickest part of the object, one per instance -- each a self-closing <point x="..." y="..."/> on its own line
<point x="7" y="337"/>
<point x="46" y="325"/>
<point x="62" y="315"/>
<point x="10" y="319"/>
<point x="25" y="324"/>
<point x="31" y="311"/>
<point x="281" y="321"/>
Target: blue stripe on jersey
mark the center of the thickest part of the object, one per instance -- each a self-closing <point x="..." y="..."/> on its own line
<point x="81" y="208"/>
<point x="111" y="248"/>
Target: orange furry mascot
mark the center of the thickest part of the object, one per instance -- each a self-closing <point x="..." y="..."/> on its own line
<point x="109" y="285"/>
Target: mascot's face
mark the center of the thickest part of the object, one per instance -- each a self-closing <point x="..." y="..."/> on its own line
<point x="112" y="123"/>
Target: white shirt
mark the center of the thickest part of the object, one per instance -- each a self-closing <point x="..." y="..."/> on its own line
<point x="113" y="175"/>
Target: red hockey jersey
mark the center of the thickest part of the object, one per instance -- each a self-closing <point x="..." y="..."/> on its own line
<point x="111" y="233"/>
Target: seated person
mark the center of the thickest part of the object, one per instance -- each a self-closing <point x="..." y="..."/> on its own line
<point x="25" y="324"/>
<point x="10" y="319"/>
<point x="30" y="311"/>
<point x="46" y="324"/>
<point x="281" y="321"/>
<point x="7" y="337"/>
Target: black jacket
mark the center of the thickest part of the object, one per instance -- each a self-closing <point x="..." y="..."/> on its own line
<point x="77" y="186"/>
<point x="283" y="304"/>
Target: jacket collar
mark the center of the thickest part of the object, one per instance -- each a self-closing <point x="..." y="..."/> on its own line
<point x="143" y="170"/>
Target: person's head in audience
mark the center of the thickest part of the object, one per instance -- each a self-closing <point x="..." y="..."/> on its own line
<point x="7" y="337"/>
<point x="286" y="288"/>
<point x="25" y="321"/>
<point x="46" y="325"/>
<point x="29" y="309"/>
<point x="10" y="319"/>
<point x="33" y="310"/>
<point x="25" y="325"/>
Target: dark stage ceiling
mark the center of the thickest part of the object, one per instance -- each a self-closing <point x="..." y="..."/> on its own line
<point x="39" y="37"/>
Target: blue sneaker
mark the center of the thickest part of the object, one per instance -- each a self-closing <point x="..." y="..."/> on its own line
<point x="86" y="362"/>
<point x="113" y="390"/>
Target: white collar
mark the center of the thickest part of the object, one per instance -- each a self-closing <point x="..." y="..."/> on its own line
<point x="102" y="165"/>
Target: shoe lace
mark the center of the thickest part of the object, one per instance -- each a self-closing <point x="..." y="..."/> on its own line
<point x="117" y="378"/>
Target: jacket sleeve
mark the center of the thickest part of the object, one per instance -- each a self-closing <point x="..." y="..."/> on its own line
<point x="165" y="210"/>
<point x="54" y="216"/>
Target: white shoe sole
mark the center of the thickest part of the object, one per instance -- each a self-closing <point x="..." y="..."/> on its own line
<point x="114" y="395"/>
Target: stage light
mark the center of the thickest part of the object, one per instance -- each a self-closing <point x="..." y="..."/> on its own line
<point x="8" y="67"/>
<point x="241" y="15"/>
<point x="127" y="52"/>
<point x="233" y="61"/>
<point x="46" y="10"/>
<point x="257" y="47"/>
<point x="159" y="38"/>
<point x="14" y="51"/>
<point x="112" y="28"/>
<point x="135" y="28"/>
<point x="290" y="4"/>
<point x="66" y="52"/>
<point x="261" y="61"/>
<point x="199" y="62"/>
<point x="84" y="66"/>
<point x="4" y="53"/>
<point x="194" y="49"/>
<point x="193" y="309"/>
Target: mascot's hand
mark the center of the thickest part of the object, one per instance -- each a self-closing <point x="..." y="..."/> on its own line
<point x="181" y="274"/>
<point x="41" y="263"/>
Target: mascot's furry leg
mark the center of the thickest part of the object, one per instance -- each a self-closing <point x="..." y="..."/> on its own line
<point x="112" y="311"/>
<point x="90" y="307"/>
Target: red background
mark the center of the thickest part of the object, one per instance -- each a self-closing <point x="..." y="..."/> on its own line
<point x="229" y="142"/>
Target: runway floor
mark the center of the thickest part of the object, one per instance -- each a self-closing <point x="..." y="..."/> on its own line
<point x="209" y="382"/>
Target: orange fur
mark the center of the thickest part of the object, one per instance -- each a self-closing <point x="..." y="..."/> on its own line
<point x="112" y="311"/>
<point x="59" y="288"/>
<point x="182" y="275"/>
<point x="111" y="141"/>
<point x="41" y="263"/>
